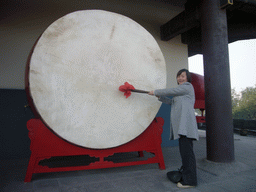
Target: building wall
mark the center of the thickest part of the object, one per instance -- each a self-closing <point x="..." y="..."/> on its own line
<point x="20" y="30"/>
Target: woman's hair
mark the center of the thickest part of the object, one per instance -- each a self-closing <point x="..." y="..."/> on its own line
<point x="187" y="73"/>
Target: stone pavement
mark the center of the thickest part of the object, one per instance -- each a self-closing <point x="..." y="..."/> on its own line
<point x="238" y="176"/>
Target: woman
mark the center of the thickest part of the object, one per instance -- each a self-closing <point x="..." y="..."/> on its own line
<point x="183" y="124"/>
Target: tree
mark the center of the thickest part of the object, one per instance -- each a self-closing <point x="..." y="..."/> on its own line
<point x="245" y="106"/>
<point x="235" y="98"/>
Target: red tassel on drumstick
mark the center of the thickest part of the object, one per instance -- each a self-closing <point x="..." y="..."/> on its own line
<point x="128" y="88"/>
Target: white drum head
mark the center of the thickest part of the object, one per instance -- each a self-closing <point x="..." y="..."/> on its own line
<point x="76" y="69"/>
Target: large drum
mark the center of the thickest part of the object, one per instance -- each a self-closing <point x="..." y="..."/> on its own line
<point x="75" y="71"/>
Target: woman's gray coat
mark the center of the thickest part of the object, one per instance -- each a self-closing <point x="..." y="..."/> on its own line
<point x="183" y="120"/>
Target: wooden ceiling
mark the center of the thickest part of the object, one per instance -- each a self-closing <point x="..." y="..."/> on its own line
<point x="241" y="16"/>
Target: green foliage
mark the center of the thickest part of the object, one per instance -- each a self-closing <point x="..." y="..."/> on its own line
<point x="244" y="105"/>
<point x="235" y="98"/>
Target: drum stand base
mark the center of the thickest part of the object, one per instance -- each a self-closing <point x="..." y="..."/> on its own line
<point x="45" y="145"/>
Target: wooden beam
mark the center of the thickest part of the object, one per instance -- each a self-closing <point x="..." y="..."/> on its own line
<point x="183" y="22"/>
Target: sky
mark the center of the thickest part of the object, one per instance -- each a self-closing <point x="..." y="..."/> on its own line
<point x="242" y="62"/>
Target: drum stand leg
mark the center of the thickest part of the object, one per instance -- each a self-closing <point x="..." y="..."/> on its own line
<point x="32" y="162"/>
<point x="45" y="144"/>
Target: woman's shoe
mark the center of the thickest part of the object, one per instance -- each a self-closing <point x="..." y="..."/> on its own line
<point x="184" y="186"/>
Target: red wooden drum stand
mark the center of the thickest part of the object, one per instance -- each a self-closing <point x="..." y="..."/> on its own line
<point x="45" y="144"/>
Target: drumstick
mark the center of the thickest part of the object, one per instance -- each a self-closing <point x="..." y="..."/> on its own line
<point x="128" y="88"/>
<point x="139" y="91"/>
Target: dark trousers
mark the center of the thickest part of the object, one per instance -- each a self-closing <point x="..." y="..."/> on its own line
<point x="189" y="176"/>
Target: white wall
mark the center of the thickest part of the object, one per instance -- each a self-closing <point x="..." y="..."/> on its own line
<point x="20" y="30"/>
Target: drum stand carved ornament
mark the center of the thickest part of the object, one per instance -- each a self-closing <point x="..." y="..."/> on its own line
<point x="72" y="78"/>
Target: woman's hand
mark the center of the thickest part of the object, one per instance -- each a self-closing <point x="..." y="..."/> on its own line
<point x="151" y="93"/>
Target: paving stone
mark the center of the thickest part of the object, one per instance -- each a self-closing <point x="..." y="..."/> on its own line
<point x="239" y="176"/>
<point x="18" y="186"/>
<point x="49" y="185"/>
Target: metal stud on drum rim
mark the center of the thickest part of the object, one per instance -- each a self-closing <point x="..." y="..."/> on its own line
<point x="76" y="68"/>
